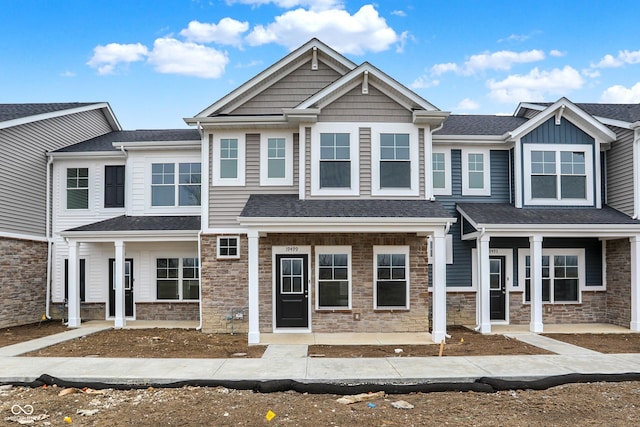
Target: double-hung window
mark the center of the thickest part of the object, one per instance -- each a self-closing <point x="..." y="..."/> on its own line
<point x="77" y="188"/>
<point x="177" y="278"/>
<point x="335" y="167"/>
<point x="395" y="160"/>
<point x="333" y="277"/>
<point x="557" y="174"/>
<point x="562" y="275"/>
<point x="228" y="160"/>
<point x="167" y="188"/>
<point x="335" y="160"/>
<point x="476" y="173"/>
<point x="441" y="172"/>
<point x="276" y="159"/>
<point x="391" y="277"/>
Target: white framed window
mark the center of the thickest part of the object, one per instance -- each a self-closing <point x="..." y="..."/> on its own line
<point x="335" y="166"/>
<point x="177" y="279"/>
<point x="563" y="275"/>
<point x="394" y="160"/>
<point x="476" y="173"/>
<point x="77" y="184"/>
<point x="228" y="247"/>
<point x="276" y="159"/>
<point x="333" y="277"/>
<point x="391" y="267"/>
<point x="228" y="160"/>
<point x="169" y="188"/>
<point x="441" y="172"/>
<point x="558" y="174"/>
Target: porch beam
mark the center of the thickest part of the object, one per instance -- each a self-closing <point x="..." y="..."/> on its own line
<point x="635" y="283"/>
<point x="118" y="278"/>
<point x="484" y="288"/>
<point x="73" y="298"/>
<point x="439" y="283"/>
<point x="253" y="238"/>
<point x="535" y="244"/>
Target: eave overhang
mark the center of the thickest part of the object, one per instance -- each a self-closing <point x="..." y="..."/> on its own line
<point x="429" y="118"/>
<point x="132" y="235"/>
<point x="86" y="155"/>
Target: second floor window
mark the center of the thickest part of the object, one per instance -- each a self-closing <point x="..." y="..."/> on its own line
<point x="77" y="188"/>
<point x="229" y="158"/>
<point x="276" y="154"/>
<point x="395" y="161"/>
<point x="335" y="160"/>
<point x="476" y="173"/>
<point x="165" y="192"/>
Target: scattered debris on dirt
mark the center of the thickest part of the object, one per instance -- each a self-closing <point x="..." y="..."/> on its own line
<point x="602" y="343"/>
<point x="18" y="334"/>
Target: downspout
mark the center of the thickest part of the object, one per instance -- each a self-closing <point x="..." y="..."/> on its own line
<point x="199" y="327"/>
<point x="48" y="234"/>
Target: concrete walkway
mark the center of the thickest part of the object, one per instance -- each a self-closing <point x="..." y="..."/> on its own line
<point x="282" y="361"/>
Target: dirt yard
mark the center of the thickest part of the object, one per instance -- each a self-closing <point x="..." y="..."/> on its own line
<point x="613" y="404"/>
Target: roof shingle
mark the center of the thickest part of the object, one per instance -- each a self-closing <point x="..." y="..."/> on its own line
<point x="105" y="142"/>
<point x="144" y="223"/>
<point x="18" y="111"/>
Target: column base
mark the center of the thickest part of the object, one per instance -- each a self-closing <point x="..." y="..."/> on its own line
<point x="634" y="326"/>
<point x="74" y="322"/>
<point x="119" y="323"/>
<point x="485" y="328"/>
<point x="537" y="328"/>
<point x="254" y="337"/>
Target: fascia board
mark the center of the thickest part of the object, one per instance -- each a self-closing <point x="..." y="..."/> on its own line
<point x="470" y="139"/>
<point x="560" y="230"/>
<point x="20" y="236"/>
<point x="529" y="106"/>
<point x="111" y="118"/>
<point x="86" y="155"/>
<point x="132" y="236"/>
<point x="345" y="225"/>
<point x="160" y="145"/>
<point x="617" y="123"/>
<point x="244" y="122"/>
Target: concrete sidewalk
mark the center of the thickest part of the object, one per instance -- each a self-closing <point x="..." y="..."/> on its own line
<point x="290" y="362"/>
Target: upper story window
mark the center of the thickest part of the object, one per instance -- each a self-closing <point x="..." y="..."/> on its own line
<point x="557" y="174"/>
<point x="476" y="173"/>
<point x="165" y="192"/>
<point x="228" y="166"/>
<point x="334" y="159"/>
<point x="114" y="188"/>
<point x="77" y="188"/>
<point x="276" y="159"/>
<point x="441" y="169"/>
<point x="394" y="160"/>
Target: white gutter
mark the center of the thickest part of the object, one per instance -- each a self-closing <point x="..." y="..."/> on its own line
<point x="49" y="238"/>
<point x="199" y="327"/>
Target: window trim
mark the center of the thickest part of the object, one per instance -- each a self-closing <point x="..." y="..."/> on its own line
<point x="66" y="188"/>
<point x="400" y="249"/>
<point x="180" y="278"/>
<point x="354" y="158"/>
<point x="414" y="161"/>
<point x="321" y="250"/>
<point x="216" y="179"/>
<point x="264" y="159"/>
<point x="587" y="149"/>
<point x="582" y="278"/>
<point x="236" y="256"/>
<point x="486" y="178"/>
<point x="446" y="191"/>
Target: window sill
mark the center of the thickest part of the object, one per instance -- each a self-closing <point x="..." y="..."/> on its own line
<point x="333" y="310"/>
<point x="390" y="310"/>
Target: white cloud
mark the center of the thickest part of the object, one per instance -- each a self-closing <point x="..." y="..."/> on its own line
<point x="439" y="69"/>
<point x="351" y="34"/>
<point x="591" y="73"/>
<point x="228" y="32"/>
<point x="535" y="85"/>
<point x="515" y="38"/>
<point x="501" y="60"/>
<point x="624" y="57"/>
<point x="557" y="53"/>
<point x="399" y="13"/>
<point x="106" y="58"/>
<point x="467" y="104"/>
<point x="171" y="56"/>
<point x="621" y="95"/>
<point x="424" y="82"/>
<point x="290" y="4"/>
<point x="68" y="74"/>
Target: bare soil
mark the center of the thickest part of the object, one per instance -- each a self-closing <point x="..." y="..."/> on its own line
<point x="613" y="404"/>
<point x="603" y="343"/>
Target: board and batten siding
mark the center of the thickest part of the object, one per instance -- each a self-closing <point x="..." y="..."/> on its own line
<point x="619" y="179"/>
<point x="289" y="91"/>
<point x="564" y="133"/>
<point x="23" y="165"/>
<point x="226" y="202"/>
<point x="354" y="106"/>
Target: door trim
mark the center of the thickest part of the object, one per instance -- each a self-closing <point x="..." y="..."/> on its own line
<point x="290" y="250"/>
<point x="502" y="289"/>
<point x="508" y="281"/>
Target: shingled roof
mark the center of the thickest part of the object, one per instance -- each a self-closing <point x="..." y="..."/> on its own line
<point x="290" y="206"/>
<point x="105" y="142"/>
<point x="143" y="223"/>
<point x="479" y="125"/>
<point x="623" y="112"/>
<point x="18" y="111"/>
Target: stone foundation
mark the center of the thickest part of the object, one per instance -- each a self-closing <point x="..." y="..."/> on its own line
<point x="461" y="308"/>
<point x="167" y="311"/>
<point x="593" y="309"/>
<point x="23" y="276"/>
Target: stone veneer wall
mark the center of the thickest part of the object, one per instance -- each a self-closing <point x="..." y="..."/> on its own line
<point x="23" y="276"/>
<point x="461" y="308"/>
<point x="224" y="285"/>
<point x="593" y="309"/>
<point x="167" y="311"/>
<point x="619" y="282"/>
<point x="413" y="320"/>
<point x="88" y="311"/>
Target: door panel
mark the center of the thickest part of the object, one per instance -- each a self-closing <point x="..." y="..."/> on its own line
<point x="292" y="291"/>
<point x="128" y="288"/>
<point x="497" y="292"/>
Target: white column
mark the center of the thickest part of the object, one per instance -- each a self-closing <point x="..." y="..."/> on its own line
<point x="254" y="298"/>
<point x="73" y="301"/>
<point x="484" y="288"/>
<point x="439" y="287"/>
<point x="535" y="257"/>
<point x="118" y="278"/>
<point x="635" y="283"/>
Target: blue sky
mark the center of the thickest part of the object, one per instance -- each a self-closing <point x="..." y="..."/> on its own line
<point x="157" y="62"/>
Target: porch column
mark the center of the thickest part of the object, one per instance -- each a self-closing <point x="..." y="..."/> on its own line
<point x="535" y="257"/>
<point x="73" y="301"/>
<point x="635" y="283"/>
<point x="254" y="299"/>
<point x="118" y="279"/>
<point x="484" y="301"/>
<point x="439" y="290"/>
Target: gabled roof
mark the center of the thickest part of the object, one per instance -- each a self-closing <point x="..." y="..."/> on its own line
<point x="106" y="142"/>
<point x="623" y="112"/>
<point x="479" y="125"/>
<point x="18" y="114"/>
<point x="274" y="72"/>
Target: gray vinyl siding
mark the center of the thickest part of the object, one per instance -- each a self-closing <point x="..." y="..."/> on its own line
<point x="365" y="161"/>
<point x="226" y="203"/>
<point x="23" y="165"/>
<point x="289" y="91"/>
<point x="373" y="107"/>
<point x="459" y="273"/>
<point x="619" y="177"/>
<point x="550" y="133"/>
